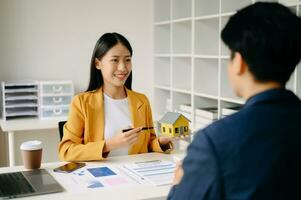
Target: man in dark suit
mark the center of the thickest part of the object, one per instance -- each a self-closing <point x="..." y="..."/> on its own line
<point x="256" y="152"/>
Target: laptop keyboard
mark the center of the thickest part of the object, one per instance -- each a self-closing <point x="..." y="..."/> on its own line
<point x="12" y="184"/>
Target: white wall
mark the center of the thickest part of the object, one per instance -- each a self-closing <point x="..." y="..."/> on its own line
<point x="54" y="39"/>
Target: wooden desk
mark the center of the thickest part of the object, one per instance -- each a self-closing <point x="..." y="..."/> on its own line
<point x="16" y="125"/>
<point x="122" y="193"/>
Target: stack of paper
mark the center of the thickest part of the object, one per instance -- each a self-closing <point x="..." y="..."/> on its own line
<point x="205" y="116"/>
<point x="230" y="110"/>
<point x="156" y="172"/>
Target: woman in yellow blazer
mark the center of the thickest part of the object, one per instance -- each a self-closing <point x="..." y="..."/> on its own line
<point x="87" y="133"/>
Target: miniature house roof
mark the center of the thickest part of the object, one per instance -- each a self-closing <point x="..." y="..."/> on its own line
<point x="171" y="117"/>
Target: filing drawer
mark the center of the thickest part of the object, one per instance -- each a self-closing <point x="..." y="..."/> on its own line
<point x="56" y="100"/>
<point x="54" y="111"/>
<point x="53" y="88"/>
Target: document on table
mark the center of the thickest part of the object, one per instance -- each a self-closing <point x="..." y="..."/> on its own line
<point x="94" y="178"/>
<point x="157" y="172"/>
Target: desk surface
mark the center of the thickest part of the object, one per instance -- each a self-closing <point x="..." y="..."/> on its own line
<point x="29" y="124"/>
<point x="134" y="192"/>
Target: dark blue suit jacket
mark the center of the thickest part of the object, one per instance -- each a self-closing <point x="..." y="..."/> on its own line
<point x="253" y="154"/>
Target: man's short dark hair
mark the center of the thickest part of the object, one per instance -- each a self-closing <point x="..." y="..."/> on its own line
<point x="268" y="36"/>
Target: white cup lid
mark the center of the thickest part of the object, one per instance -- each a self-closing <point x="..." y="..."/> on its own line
<point x="31" y="145"/>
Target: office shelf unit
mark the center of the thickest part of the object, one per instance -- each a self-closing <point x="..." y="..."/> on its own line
<point x="19" y="99"/>
<point x="190" y="60"/>
<point x="37" y="99"/>
<point x="55" y="98"/>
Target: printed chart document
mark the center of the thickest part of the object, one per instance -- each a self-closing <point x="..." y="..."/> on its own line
<point x="153" y="172"/>
<point x="94" y="178"/>
<point x="157" y="172"/>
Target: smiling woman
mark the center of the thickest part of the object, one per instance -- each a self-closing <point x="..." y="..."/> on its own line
<point x="98" y="117"/>
<point x="115" y="67"/>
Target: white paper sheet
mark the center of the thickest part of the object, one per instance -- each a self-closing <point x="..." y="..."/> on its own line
<point x="94" y="178"/>
<point x="156" y="172"/>
<point x="89" y="178"/>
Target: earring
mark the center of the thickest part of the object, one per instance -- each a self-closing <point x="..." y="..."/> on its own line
<point x="98" y="67"/>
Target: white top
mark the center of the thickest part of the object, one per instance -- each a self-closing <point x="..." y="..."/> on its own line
<point x="117" y="117"/>
<point x="31" y="145"/>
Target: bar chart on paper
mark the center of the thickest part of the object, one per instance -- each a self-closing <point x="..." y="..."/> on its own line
<point x="151" y="172"/>
<point x="157" y="172"/>
<point x="94" y="178"/>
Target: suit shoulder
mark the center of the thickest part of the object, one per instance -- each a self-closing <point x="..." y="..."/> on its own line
<point x="84" y="96"/>
<point x="140" y="96"/>
<point x="226" y="125"/>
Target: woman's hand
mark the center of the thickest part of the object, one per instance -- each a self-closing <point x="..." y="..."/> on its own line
<point x="165" y="143"/>
<point x="179" y="173"/>
<point x="122" y="139"/>
<point x="163" y="140"/>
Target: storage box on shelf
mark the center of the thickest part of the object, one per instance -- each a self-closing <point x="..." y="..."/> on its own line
<point x="188" y="47"/>
<point x="36" y="99"/>
<point x="229" y="108"/>
<point x="55" y="97"/>
<point x="19" y="99"/>
<point x="205" y="111"/>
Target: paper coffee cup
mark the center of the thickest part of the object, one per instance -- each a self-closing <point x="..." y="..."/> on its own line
<point x="31" y="154"/>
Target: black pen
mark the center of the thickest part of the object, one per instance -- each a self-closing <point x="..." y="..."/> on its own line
<point x="144" y="128"/>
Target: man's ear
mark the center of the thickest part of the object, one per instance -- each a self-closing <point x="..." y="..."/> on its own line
<point x="239" y="64"/>
<point x="98" y="63"/>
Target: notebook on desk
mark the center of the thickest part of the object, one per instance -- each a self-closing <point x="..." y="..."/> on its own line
<point x="27" y="183"/>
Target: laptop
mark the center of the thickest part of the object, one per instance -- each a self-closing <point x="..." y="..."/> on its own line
<point x="27" y="183"/>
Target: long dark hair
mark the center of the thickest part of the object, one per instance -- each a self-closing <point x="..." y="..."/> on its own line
<point x="102" y="46"/>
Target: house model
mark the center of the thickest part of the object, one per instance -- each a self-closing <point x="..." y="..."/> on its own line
<point x="174" y="124"/>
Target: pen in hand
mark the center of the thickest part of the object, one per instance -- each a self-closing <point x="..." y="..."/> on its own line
<point x="144" y="128"/>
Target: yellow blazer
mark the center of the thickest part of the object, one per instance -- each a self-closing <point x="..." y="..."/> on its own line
<point x="83" y="138"/>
